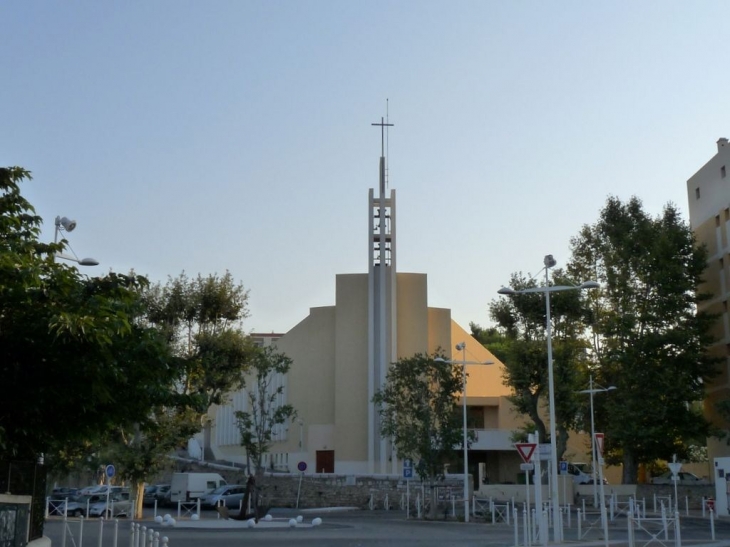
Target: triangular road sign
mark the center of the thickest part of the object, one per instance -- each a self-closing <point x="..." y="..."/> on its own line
<point x="525" y="450"/>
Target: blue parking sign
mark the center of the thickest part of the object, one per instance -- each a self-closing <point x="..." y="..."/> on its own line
<point x="407" y="468"/>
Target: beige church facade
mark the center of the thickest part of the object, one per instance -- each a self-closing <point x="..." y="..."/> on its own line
<point x="341" y="354"/>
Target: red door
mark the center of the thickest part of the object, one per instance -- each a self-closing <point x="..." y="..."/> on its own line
<point x="325" y="461"/>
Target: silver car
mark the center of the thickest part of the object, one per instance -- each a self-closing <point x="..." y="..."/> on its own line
<point x="118" y="505"/>
<point x="229" y="495"/>
<point x="683" y="478"/>
<point x="77" y="506"/>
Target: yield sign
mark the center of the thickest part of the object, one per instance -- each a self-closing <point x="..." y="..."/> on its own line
<point x="525" y="450"/>
<point x="599" y="443"/>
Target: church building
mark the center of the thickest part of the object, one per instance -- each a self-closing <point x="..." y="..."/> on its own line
<point x="341" y="354"/>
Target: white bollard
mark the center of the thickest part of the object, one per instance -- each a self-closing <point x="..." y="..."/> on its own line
<point x="116" y="532"/>
<point x="712" y="524"/>
<point x="579" y="526"/>
<point x="101" y="530"/>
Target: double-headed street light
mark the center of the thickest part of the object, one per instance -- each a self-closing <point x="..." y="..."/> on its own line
<point x="549" y="262"/>
<point x="594" y="459"/>
<point x="461" y="346"/>
<point x="65" y="224"/>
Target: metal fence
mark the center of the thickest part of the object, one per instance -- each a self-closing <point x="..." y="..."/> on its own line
<point x="26" y="478"/>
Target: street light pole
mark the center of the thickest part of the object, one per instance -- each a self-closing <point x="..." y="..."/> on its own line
<point x="461" y="346"/>
<point x="557" y="516"/>
<point x="594" y="454"/>
<point x="549" y="262"/>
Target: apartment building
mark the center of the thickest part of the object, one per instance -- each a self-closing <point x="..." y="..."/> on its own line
<point x="708" y="196"/>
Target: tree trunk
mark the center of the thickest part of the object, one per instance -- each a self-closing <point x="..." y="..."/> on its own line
<point x="138" y="494"/>
<point x="631" y="468"/>
<point x="432" y="508"/>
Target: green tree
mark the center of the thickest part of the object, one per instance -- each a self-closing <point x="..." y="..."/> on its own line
<point x="267" y="411"/>
<point x="202" y="319"/>
<point x="74" y="361"/>
<point x="418" y="407"/>
<point x="648" y="339"/>
<point x="521" y="322"/>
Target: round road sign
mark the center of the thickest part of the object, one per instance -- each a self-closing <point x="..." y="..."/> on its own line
<point x="109" y="470"/>
<point x="302" y="466"/>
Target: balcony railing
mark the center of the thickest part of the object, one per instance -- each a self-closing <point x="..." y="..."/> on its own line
<point x="492" y="439"/>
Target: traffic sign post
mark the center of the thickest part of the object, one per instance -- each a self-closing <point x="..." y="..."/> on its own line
<point x="407" y="468"/>
<point x="599" y="438"/>
<point x="109" y="472"/>
<point x="526" y="450"/>
<point x="302" y="467"/>
<point x="674" y="467"/>
<point x="408" y="474"/>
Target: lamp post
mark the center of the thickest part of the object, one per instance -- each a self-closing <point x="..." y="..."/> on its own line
<point x="64" y="224"/>
<point x="549" y="262"/>
<point x="594" y="459"/>
<point x="461" y="346"/>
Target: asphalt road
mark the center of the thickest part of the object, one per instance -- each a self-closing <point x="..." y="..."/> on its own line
<point x="366" y="528"/>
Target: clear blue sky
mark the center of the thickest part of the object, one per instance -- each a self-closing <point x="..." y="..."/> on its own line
<point x="213" y="136"/>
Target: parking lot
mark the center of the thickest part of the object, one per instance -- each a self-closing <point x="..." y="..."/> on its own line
<point x="364" y="528"/>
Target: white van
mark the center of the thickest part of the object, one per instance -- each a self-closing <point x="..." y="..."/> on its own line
<point x="191" y="486"/>
<point x="582" y="473"/>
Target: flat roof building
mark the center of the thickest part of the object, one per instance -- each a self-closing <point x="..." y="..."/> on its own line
<point x="708" y="196"/>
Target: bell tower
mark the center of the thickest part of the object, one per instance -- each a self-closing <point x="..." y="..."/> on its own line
<point x="382" y="331"/>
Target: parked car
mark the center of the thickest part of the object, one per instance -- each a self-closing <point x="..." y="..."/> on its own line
<point x="229" y="495"/>
<point x="154" y="493"/>
<point x="683" y="478"/>
<point x="117" y="505"/>
<point x="63" y="492"/>
<point x="77" y="505"/>
<point x="162" y="494"/>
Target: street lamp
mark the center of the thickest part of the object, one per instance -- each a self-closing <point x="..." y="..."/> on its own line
<point x="549" y="262"/>
<point x="594" y="459"/>
<point x="64" y="224"/>
<point x="461" y="346"/>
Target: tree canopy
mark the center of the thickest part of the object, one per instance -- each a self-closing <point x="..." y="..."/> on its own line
<point x="648" y="338"/>
<point x="418" y="408"/>
<point x="266" y="410"/>
<point x="640" y="332"/>
<point x="522" y="319"/>
<point x="74" y="359"/>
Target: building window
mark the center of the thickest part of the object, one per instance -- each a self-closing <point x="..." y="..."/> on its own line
<point x="697" y="193"/>
<point x="723" y="173"/>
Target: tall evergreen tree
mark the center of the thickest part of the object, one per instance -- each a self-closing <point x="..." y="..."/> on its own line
<point x="648" y="339"/>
